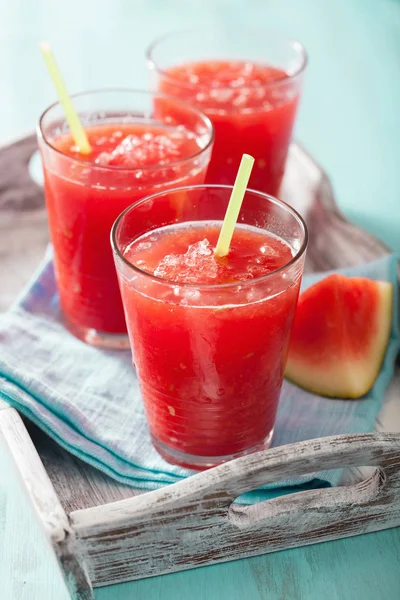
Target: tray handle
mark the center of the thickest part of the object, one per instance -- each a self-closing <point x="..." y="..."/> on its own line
<point x="196" y="522"/>
<point x="216" y="489"/>
<point x="287" y="462"/>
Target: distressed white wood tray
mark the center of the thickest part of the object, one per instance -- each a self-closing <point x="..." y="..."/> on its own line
<point x="103" y="532"/>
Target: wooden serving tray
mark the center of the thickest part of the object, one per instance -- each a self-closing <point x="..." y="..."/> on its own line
<point x="103" y="532"/>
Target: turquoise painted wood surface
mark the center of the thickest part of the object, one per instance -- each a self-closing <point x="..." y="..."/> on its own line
<point x="349" y="120"/>
<point x="28" y="568"/>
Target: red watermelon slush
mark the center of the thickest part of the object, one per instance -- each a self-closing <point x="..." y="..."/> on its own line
<point x="209" y="336"/>
<point x="252" y="107"/>
<point x="85" y="194"/>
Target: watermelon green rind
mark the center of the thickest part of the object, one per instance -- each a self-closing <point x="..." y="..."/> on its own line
<point x="340" y="335"/>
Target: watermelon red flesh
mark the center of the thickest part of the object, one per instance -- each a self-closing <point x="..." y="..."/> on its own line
<point x="340" y="333"/>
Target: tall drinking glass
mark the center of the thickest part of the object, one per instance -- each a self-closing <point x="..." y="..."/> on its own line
<point x="209" y="336"/>
<point x="141" y="143"/>
<point x="248" y="82"/>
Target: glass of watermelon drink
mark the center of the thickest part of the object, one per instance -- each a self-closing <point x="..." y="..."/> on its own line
<point x="209" y="336"/>
<point x="248" y="83"/>
<point x="141" y="143"/>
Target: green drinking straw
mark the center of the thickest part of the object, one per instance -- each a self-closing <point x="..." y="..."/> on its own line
<point x="77" y="131"/>
<point x="235" y="202"/>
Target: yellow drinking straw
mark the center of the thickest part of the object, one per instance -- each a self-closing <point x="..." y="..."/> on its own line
<point x="77" y="131"/>
<point x="235" y="202"/>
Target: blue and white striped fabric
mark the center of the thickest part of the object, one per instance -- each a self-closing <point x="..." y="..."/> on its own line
<point x="88" y="400"/>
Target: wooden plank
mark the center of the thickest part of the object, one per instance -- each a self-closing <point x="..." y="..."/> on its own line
<point x="77" y="484"/>
<point x="29" y="568"/>
<point x="45" y="502"/>
<point x="23" y="219"/>
<point x="194" y="522"/>
<point x="366" y="567"/>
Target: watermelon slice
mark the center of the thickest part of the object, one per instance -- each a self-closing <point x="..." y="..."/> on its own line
<point x="340" y="333"/>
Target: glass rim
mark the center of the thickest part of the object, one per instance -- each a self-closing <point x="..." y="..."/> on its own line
<point x="204" y="286"/>
<point x="82" y="161"/>
<point x="295" y="44"/>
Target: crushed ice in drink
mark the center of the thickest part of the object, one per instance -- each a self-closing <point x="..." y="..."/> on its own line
<point x="149" y="148"/>
<point x="185" y="255"/>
